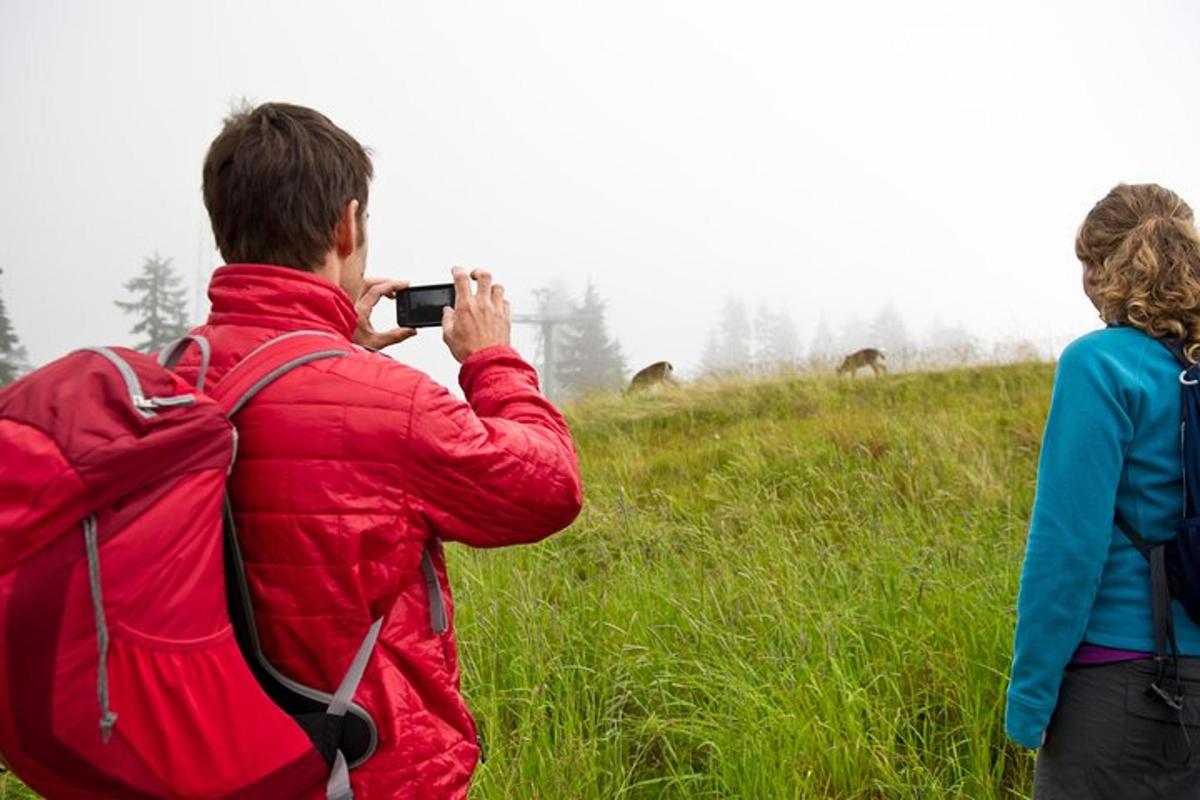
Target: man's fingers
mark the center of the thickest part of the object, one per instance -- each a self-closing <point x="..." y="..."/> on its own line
<point x="483" y="280"/>
<point x="462" y="284"/>
<point x="497" y="295"/>
<point x="394" y="336"/>
<point x="507" y="311"/>
<point x="375" y="288"/>
<point x="394" y="287"/>
<point x="371" y="295"/>
<point x="447" y="321"/>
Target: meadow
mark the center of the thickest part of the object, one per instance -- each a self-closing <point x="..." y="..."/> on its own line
<point x="800" y="588"/>
<point x="795" y="588"/>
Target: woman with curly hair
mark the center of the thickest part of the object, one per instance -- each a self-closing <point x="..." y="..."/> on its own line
<point x="1083" y="653"/>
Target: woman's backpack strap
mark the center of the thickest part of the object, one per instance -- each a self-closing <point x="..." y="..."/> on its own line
<point x="1144" y="547"/>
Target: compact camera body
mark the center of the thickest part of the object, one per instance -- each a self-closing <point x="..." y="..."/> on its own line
<point x="421" y="306"/>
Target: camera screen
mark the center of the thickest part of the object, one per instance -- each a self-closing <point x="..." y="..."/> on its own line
<point x="421" y="306"/>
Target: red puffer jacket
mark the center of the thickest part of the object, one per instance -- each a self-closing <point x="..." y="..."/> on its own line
<point x="349" y="470"/>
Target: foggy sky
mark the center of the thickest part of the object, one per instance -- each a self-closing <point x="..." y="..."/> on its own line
<point x="828" y="157"/>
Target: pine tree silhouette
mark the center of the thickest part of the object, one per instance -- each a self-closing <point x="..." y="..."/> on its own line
<point x="824" y="347"/>
<point x="590" y="361"/>
<point x="160" y="304"/>
<point x="776" y="345"/>
<point x="12" y="355"/>
<point x="727" y="350"/>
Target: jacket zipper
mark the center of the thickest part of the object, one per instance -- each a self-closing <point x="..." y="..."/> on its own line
<point x="142" y="404"/>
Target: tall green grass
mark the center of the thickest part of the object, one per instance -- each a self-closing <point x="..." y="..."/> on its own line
<point x="13" y="789"/>
<point x="794" y="589"/>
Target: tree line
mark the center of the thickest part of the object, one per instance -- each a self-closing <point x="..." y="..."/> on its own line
<point x="766" y="343"/>
<point x="158" y="304"/>
<point x="576" y="355"/>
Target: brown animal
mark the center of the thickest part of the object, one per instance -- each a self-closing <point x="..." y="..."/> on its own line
<point x="657" y="374"/>
<point x="868" y="357"/>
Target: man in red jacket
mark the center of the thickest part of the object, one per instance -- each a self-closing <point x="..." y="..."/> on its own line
<point x="352" y="471"/>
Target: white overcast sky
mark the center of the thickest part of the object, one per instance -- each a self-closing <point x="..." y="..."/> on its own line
<point x="830" y="158"/>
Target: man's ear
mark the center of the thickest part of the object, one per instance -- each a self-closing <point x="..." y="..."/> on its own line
<point x="345" y="235"/>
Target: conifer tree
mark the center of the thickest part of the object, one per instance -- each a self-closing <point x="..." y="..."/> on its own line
<point x="824" y="347"/>
<point x="775" y="344"/>
<point x="590" y="360"/>
<point x="889" y="334"/>
<point x="728" y="348"/>
<point x="13" y="360"/>
<point x="159" y="304"/>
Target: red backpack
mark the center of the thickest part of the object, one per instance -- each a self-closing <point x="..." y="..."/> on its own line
<point x="123" y="672"/>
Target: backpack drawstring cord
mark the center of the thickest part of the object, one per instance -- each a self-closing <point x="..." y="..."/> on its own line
<point x="107" y="718"/>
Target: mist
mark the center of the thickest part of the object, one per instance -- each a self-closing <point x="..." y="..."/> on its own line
<point x="831" y="160"/>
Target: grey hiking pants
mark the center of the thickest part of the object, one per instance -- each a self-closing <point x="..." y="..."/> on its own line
<point x="1109" y="739"/>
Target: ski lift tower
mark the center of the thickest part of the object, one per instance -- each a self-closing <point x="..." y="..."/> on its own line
<point x="547" y="323"/>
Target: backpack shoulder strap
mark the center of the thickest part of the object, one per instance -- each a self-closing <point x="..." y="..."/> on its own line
<point x="170" y="355"/>
<point x="1144" y="547"/>
<point x="272" y="360"/>
<point x="342" y="731"/>
<point x="1176" y="350"/>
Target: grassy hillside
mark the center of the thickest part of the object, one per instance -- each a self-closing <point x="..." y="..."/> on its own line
<point x="795" y="589"/>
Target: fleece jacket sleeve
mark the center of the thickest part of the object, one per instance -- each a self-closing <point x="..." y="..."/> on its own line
<point x="1087" y="433"/>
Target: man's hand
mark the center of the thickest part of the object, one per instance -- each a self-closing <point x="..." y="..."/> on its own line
<point x="375" y="289"/>
<point x="477" y="320"/>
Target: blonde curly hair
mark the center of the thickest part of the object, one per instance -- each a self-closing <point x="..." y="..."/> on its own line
<point x="1141" y="256"/>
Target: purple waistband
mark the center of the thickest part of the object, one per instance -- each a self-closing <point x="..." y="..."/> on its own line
<point x="1092" y="654"/>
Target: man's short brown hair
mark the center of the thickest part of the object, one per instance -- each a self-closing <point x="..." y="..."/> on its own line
<point x="276" y="181"/>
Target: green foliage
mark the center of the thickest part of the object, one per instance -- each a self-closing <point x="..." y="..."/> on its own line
<point x="13" y="360"/>
<point x="13" y="789"/>
<point x="159" y="304"/>
<point x="796" y="589"/>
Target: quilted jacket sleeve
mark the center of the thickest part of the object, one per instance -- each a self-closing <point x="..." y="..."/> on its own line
<point x="500" y="468"/>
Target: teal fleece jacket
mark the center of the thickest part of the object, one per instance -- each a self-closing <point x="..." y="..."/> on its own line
<point x="1111" y="441"/>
